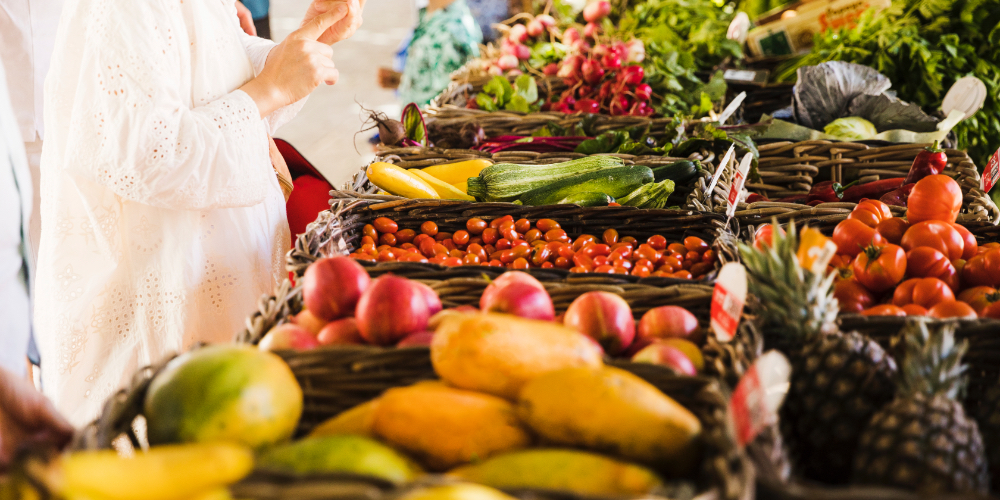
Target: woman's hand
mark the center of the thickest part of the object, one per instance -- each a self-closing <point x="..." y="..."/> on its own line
<point x="246" y="19"/>
<point x="27" y="419"/>
<point x="343" y="29"/>
<point x="296" y="66"/>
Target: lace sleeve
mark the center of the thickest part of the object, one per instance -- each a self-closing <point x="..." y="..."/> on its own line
<point x="134" y="129"/>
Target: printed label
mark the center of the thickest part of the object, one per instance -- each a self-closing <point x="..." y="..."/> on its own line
<point x="719" y="170"/>
<point x="736" y="188"/>
<point x="758" y="396"/>
<point x="992" y="172"/>
<point x="727" y="301"/>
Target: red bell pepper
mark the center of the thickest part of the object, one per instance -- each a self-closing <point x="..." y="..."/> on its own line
<point x="930" y="161"/>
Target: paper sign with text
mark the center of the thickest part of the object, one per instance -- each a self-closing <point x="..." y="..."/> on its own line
<point x="736" y="188"/>
<point x="758" y="396"/>
<point x="720" y="170"/>
<point x="992" y="172"/>
<point x="727" y="301"/>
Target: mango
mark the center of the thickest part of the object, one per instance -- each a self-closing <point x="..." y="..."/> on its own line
<point x="575" y="471"/>
<point x="612" y="411"/>
<point x="443" y="427"/>
<point x="357" y="420"/>
<point x="499" y="353"/>
<point x="334" y="454"/>
<point x="460" y="491"/>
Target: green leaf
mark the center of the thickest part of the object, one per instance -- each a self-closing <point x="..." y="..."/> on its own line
<point x="500" y="88"/>
<point x="518" y="103"/>
<point x="608" y="142"/>
<point x="486" y="102"/>
<point x="413" y="123"/>
<point x="527" y="88"/>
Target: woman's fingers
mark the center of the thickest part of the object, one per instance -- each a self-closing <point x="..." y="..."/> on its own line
<point x="317" y="26"/>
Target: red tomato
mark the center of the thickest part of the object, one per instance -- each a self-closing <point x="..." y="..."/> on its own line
<point x="991" y="311"/>
<point x="971" y="245"/>
<point x="884" y="310"/>
<point x="852" y="296"/>
<point x="924" y="292"/>
<point x="983" y="269"/>
<point x="979" y="297"/>
<point x="926" y="262"/>
<point x="935" y="197"/>
<point x="852" y="235"/>
<point x="938" y="235"/>
<point x="871" y="212"/>
<point x="892" y="229"/>
<point x="952" y="309"/>
<point x="914" y="310"/>
<point x="879" y="268"/>
<point x="764" y="235"/>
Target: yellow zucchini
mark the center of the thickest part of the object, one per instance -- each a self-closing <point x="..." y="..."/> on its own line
<point x="462" y="186"/>
<point x="453" y="173"/>
<point x="444" y="190"/>
<point x="399" y="182"/>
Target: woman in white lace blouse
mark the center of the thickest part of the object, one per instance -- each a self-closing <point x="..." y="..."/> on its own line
<point x="162" y="219"/>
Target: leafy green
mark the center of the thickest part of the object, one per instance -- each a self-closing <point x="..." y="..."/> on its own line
<point x="694" y="28"/>
<point x="499" y="94"/>
<point x="413" y="123"/>
<point x="924" y="46"/>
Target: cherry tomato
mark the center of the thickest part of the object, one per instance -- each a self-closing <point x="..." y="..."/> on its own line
<point x="385" y="225"/>
<point x="367" y="240"/>
<point x="386" y="256"/>
<point x="495" y="223"/>
<point x="684" y="275"/>
<point x="430" y="228"/>
<point x="693" y="256"/>
<point x="456" y="253"/>
<point x="563" y="263"/>
<point x="601" y="260"/>
<point x="641" y="271"/>
<point x="622" y="252"/>
<point x="871" y="212"/>
<point x="673" y="262"/>
<point x="490" y="236"/>
<point x="583" y="261"/>
<point x="701" y="268"/>
<point x="952" y="309"/>
<point x="605" y="269"/>
<point x="971" y="247"/>
<point x="583" y="241"/>
<point x="507" y="256"/>
<point x="440" y="249"/>
<point x="578" y="270"/>
<point x="647" y="252"/>
<point x="388" y="239"/>
<point x="477" y="250"/>
<point x="369" y="231"/>
<point x="452" y="262"/>
<point x="926" y="262"/>
<point x="507" y="231"/>
<point x="476" y="239"/>
<point x="405" y="235"/>
<point x="677" y="248"/>
<point x="983" y="269"/>
<point x="521" y="251"/>
<point x="924" y="292"/>
<point x="532" y="235"/>
<point x="852" y="296"/>
<point x="892" y="230"/>
<point x="449" y="244"/>
<point x="489" y="249"/>
<point x="556" y="235"/>
<point x="657" y="241"/>
<point x="495" y="263"/>
<point x="476" y="225"/>
<point x="625" y="264"/>
<point x="522" y="225"/>
<point x="914" y="310"/>
<point x="461" y="237"/>
<point x="852" y="236"/>
<point x="540" y="255"/>
<point x="695" y="244"/>
<point x="938" y="235"/>
<point x="935" y="197"/>
<point x="442" y="236"/>
<point x="504" y="244"/>
<point x="520" y="263"/>
<point x="708" y="256"/>
<point x="427" y="248"/>
<point x="546" y="225"/>
<point x="610" y="237"/>
<point x="884" y="310"/>
<point x="630" y="240"/>
<point x="547" y="265"/>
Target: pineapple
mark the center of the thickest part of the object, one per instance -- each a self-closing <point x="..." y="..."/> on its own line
<point x="988" y="417"/>
<point x="922" y="440"/>
<point x="839" y="380"/>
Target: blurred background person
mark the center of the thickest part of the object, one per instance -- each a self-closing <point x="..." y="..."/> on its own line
<point x="260" y="13"/>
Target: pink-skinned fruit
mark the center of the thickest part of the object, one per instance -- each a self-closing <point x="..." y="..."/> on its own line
<point x="332" y="287"/>
<point x="341" y="332"/>
<point x="659" y="353"/>
<point x="288" y="336"/>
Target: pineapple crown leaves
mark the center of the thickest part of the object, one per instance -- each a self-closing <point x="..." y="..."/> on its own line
<point x="788" y="297"/>
<point x="932" y="362"/>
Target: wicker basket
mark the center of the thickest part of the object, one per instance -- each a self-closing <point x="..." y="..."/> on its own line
<point x="338" y="231"/>
<point x="788" y="168"/>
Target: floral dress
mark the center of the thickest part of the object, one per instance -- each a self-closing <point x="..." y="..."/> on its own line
<point x="442" y="42"/>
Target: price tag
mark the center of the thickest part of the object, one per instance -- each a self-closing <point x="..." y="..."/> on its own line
<point x="739" y="28"/>
<point x="732" y="107"/>
<point x="736" y="188"/>
<point x="758" y="396"/>
<point x="719" y="170"/>
<point x="991" y="173"/>
<point x="727" y="301"/>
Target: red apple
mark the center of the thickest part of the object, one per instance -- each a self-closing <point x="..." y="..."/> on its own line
<point x="288" y="336"/>
<point x="660" y="353"/>
<point x="332" y="286"/>
<point x="309" y="321"/>
<point x="504" y="280"/>
<point x="390" y="309"/>
<point x="668" y="321"/>
<point x="417" y="339"/>
<point x="604" y="317"/>
<point x="341" y="332"/>
<point x="524" y="300"/>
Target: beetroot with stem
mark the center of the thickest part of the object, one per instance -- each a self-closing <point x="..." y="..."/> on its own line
<point x="390" y="132"/>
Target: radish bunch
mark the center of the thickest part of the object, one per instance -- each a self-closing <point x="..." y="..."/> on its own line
<point x="513" y="48"/>
<point x="604" y="79"/>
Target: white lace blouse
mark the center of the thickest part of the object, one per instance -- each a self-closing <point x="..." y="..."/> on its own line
<point x="162" y="219"/>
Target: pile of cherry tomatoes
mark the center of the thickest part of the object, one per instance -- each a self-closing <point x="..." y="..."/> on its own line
<point x="521" y="244"/>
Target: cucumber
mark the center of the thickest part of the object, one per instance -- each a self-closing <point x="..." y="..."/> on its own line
<point x="681" y="172"/>
<point x="614" y="182"/>
<point x="588" y="199"/>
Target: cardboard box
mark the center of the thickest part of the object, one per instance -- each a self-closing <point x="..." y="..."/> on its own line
<point x="794" y="35"/>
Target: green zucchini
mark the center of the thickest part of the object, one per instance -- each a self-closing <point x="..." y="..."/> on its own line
<point x="681" y="172"/>
<point x="652" y="195"/>
<point x="588" y="199"/>
<point x="507" y="181"/>
<point x="615" y="182"/>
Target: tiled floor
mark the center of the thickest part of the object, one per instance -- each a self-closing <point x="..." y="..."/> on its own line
<point x="325" y="129"/>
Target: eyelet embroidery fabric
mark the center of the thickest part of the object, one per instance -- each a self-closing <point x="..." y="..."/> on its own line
<point x="162" y="219"/>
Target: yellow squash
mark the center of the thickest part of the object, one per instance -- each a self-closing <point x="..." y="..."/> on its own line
<point x="462" y="186"/>
<point x="454" y="173"/>
<point x="399" y="182"/>
<point x="444" y="190"/>
<point x="357" y="420"/>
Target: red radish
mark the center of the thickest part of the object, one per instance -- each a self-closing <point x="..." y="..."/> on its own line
<point x="666" y="355"/>
<point x="667" y="322"/>
<point x="288" y="336"/>
<point x="521" y="299"/>
<point x="591" y="30"/>
<point x="551" y="69"/>
<point x="433" y="301"/>
<point x="636" y="51"/>
<point x="592" y="71"/>
<point x="518" y="33"/>
<point x="643" y="92"/>
<point x="589" y="106"/>
<point x="584" y="91"/>
<point x="507" y="62"/>
<point x="341" y="332"/>
<point x="568" y="102"/>
<point x="307" y="320"/>
<point x="595" y="11"/>
<point x="535" y="28"/>
<point x="620" y="105"/>
<point x="605" y="91"/>
<point x="515" y="72"/>
<point x="621" y="49"/>
<point x="570" y="66"/>
<point x="495" y="71"/>
<point x="632" y="75"/>
<point x="546" y="20"/>
<point x="611" y="61"/>
<point x="599" y="51"/>
<point x="522" y="52"/>
<point x="504" y="280"/>
<point x="581" y="46"/>
<point x="417" y="340"/>
<point x="604" y="317"/>
<point x="570" y="35"/>
<point x="391" y="309"/>
<point x="332" y="286"/>
<point x="641" y="109"/>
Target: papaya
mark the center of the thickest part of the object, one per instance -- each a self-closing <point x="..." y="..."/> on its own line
<point x="461" y="491"/>
<point x="170" y="472"/>
<point x="350" y="454"/>
<point x="575" y="471"/>
<point x="443" y="427"/>
<point x="356" y="420"/>
<point x="223" y="392"/>
<point x="612" y="411"/>
<point x="499" y="353"/>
